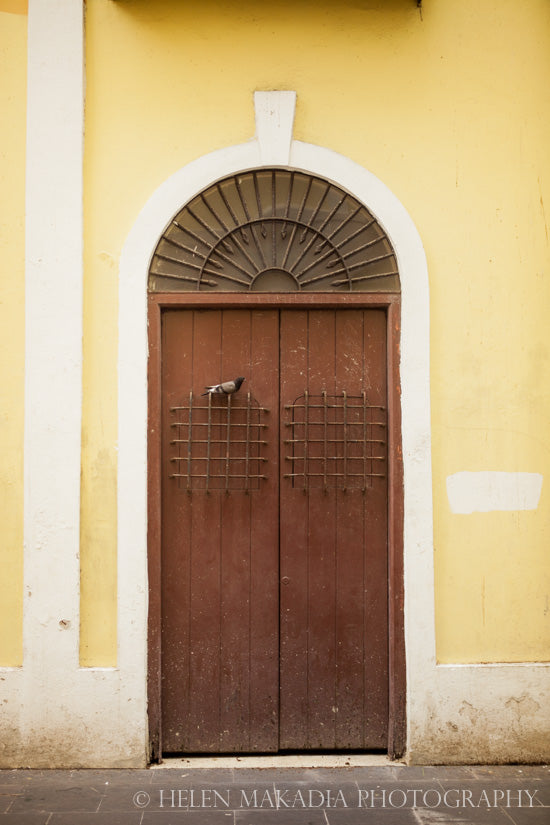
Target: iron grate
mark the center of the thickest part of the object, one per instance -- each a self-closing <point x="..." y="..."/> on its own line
<point x="336" y="441"/>
<point x="274" y="230"/>
<point x="217" y="443"/>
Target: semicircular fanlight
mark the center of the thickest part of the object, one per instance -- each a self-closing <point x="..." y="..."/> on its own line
<point x="274" y="230"/>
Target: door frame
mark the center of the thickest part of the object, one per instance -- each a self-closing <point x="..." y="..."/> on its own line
<point x="391" y="303"/>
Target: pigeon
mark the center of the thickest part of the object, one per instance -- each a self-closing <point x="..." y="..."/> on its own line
<point x="227" y="388"/>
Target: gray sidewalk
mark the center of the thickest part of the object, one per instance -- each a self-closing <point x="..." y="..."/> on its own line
<point x="388" y="795"/>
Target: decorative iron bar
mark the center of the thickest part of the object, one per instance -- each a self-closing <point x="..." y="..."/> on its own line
<point x="274" y="230"/>
<point x="336" y="441"/>
<point x="217" y="443"/>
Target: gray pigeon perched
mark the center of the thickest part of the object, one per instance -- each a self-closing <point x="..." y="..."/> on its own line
<point x="227" y="388"/>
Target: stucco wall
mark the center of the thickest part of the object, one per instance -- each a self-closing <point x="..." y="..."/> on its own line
<point x="448" y="108"/>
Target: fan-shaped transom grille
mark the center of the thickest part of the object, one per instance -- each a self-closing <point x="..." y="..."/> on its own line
<point x="274" y="230"/>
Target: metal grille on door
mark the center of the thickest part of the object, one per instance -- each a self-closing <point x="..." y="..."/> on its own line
<point x="218" y="443"/>
<point x="336" y="441"/>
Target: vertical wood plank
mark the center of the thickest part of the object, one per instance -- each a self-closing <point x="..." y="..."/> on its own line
<point x="264" y="541"/>
<point x="294" y="569"/>
<point x="375" y="542"/>
<point x="321" y="593"/>
<point x="205" y="566"/>
<point x="350" y="582"/>
<point x="235" y="553"/>
<point x="177" y="372"/>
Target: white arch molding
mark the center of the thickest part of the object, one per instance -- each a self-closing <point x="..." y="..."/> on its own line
<point x="274" y="146"/>
<point x="455" y="713"/>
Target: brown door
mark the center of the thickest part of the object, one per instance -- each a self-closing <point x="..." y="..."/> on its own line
<point x="274" y="573"/>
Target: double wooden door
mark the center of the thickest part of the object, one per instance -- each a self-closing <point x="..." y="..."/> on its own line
<point x="274" y="559"/>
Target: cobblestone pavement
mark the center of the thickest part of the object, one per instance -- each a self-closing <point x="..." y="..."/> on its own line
<point x="389" y="795"/>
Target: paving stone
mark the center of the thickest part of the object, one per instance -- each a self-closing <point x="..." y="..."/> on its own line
<point x="170" y="798"/>
<point x="121" y="797"/>
<point x="259" y="790"/>
<point x="296" y="796"/>
<point x="191" y="794"/>
<point x="280" y="817"/>
<point x="119" y="818"/>
<point x="189" y="818"/>
<point x="222" y="776"/>
<point x="47" y="797"/>
<point x="380" y="773"/>
<point x="518" y="771"/>
<point x="7" y="797"/>
<point x="504" y="791"/>
<point x="331" y="776"/>
<point x="95" y="797"/>
<point x="18" y="777"/>
<point x="114" y="777"/>
<point x="404" y="794"/>
<point x="462" y="816"/>
<point x="542" y="793"/>
<point x="529" y="816"/>
<point x="202" y="796"/>
<point x="377" y="816"/>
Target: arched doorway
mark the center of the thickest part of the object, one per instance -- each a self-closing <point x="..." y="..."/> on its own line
<point x="139" y="450"/>
<point x="276" y="521"/>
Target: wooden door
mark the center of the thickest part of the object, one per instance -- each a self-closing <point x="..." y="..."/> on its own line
<point x="333" y="544"/>
<point x="274" y="594"/>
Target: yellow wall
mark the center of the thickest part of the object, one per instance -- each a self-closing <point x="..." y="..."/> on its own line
<point x="13" y="71"/>
<point x="450" y="110"/>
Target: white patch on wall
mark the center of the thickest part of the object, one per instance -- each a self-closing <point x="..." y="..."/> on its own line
<point x="486" y="491"/>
